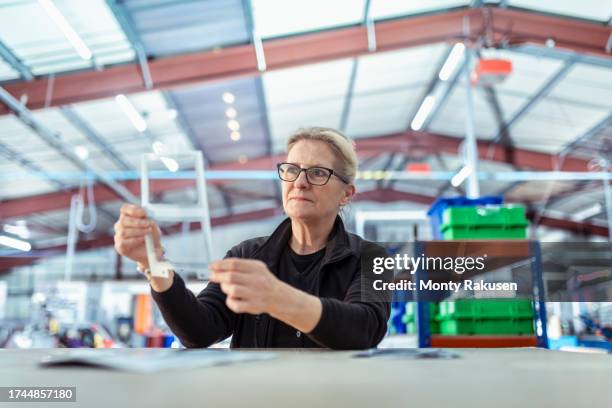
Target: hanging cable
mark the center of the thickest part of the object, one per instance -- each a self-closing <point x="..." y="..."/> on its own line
<point x="76" y="223"/>
<point x="80" y="224"/>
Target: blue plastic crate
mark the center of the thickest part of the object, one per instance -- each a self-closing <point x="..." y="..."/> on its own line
<point x="437" y="209"/>
<point x="396" y="324"/>
<point x="563" y="341"/>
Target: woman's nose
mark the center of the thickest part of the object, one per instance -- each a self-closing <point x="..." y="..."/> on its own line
<point x="301" y="181"/>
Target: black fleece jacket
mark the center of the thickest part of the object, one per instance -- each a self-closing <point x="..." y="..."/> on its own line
<point x="348" y="320"/>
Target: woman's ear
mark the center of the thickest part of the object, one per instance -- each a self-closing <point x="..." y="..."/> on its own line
<point x="349" y="192"/>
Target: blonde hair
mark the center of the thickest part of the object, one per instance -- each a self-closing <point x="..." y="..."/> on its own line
<point x="339" y="143"/>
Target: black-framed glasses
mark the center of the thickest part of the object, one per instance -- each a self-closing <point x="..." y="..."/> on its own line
<point x="317" y="176"/>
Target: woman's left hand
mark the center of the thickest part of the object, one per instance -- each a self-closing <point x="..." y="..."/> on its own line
<point x="249" y="285"/>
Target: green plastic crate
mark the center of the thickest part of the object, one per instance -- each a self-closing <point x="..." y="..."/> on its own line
<point x="485" y="216"/>
<point x="484" y="233"/>
<point x="409" y="318"/>
<point x="484" y="222"/>
<point x="434" y="327"/>
<point x="411" y="309"/>
<point x="486" y="309"/>
<point x="487" y="326"/>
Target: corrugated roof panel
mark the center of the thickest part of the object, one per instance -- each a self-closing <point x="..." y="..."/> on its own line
<point x="24" y="187"/>
<point x="590" y="9"/>
<point x="7" y="72"/>
<point x="206" y="115"/>
<point x="311" y="95"/>
<point x="529" y="73"/>
<point x="316" y="82"/>
<point x="46" y="49"/>
<point x="388" y="88"/>
<point x="402" y="68"/>
<point x="451" y="119"/>
<point x="550" y="125"/>
<point x="586" y="85"/>
<point x="275" y="18"/>
<point x="285" y="120"/>
<point x="382" y="113"/>
<point x="382" y="9"/>
<point x="179" y="27"/>
<point x="109" y="121"/>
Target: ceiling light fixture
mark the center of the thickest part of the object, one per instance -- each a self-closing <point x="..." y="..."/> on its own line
<point x="15" y="243"/>
<point x="231" y="112"/>
<point x="228" y="97"/>
<point x="461" y="176"/>
<point x="82" y="152"/>
<point x="235" y="136"/>
<point x="422" y="113"/>
<point x="452" y="61"/>
<point x="233" y="125"/>
<point x="20" y="229"/>
<point x="130" y="111"/>
<point x="158" y="147"/>
<point x="588" y="212"/>
<point x="71" y="35"/>
<point x="171" y="164"/>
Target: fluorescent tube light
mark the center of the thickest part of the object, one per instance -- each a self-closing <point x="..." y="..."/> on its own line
<point x="20" y="229"/>
<point x="171" y="164"/>
<point x="71" y="35"/>
<point x="588" y="212"/>
<point x="15" y="243"/>
<point x="423" y="113"/>
<point x="452" y="61"/>
<point x="461" y="176"/>
<point x="131" y="112"/>
<point x="158" y="147"/>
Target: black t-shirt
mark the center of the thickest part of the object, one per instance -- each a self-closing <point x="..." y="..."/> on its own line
<point x="301" y="272"/>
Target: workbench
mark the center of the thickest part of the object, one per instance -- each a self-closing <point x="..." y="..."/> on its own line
<point x="514" y="378"/>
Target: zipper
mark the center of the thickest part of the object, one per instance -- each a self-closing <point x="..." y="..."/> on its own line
<point x="256" y="331"/>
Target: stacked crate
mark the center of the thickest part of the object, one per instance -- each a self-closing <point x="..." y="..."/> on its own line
<point x="409" y="318"/>
<point x="436" y="212"/>
<point x="484" y="222"/>
<point x="486" y="316"/>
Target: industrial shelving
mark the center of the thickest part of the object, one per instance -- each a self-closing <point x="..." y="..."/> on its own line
<point x="499" y="248"/>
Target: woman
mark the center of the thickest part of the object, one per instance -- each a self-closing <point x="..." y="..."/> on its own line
<point x="299" y="287"/>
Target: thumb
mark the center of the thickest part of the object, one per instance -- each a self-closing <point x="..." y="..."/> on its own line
<point x="156" y="233"/>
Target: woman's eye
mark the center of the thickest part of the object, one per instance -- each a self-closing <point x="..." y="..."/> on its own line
<point x="319" y="173"/>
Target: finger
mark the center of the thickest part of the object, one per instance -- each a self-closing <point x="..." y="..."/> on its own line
<point x="155" y="231"/>
<point x="237" y="305"/>
<point x="236" y="278"/>
<point x="130" y="243"/>
<point x="132" y="222"/>
<point x="235" y="264"/>
<point x="233" y="290"/>
<point x="133" y="211"/>
<point x="134" y="232"/>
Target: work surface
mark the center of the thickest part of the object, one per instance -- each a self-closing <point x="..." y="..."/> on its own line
<point x="481" y="377"/>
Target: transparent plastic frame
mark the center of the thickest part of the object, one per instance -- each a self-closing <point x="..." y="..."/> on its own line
<point x="196" y="212"/>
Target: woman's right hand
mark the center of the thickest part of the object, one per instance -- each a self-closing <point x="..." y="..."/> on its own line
<point x="130" y="231"/>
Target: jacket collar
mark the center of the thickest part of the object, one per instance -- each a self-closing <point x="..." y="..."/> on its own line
<point x="338" y="246"/>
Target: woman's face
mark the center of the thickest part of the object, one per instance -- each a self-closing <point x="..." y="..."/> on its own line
<point x="304" y="201"/>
